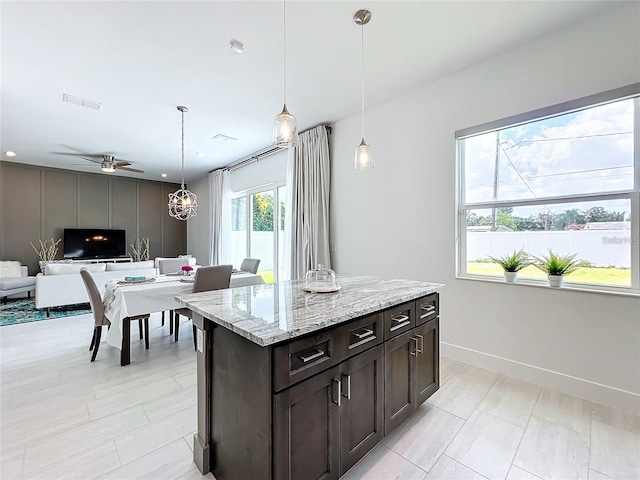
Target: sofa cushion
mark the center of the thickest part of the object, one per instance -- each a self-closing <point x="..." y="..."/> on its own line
<point x="65" y="269"/>
<point x="10" y="268"/>
<point x="43" y="263"/>
<point x="9" y="283"/>
<point x="112" y="267"/>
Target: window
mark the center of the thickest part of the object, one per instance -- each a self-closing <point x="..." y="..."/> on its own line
<point x="257" y="229"/>
<point x="565" y="178"/>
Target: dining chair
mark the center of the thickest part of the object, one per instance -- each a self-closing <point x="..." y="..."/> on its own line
<point x="99" y="319"/>
<point x="207" y="279"/>
<point x="170" y="265"/>
<point x="250" y="265"/>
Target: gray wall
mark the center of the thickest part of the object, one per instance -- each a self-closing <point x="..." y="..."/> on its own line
<point x="38" y="203"/>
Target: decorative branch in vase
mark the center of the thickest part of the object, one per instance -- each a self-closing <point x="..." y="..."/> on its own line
<point x="47" y="252"/>
<point x="140" y="250"/>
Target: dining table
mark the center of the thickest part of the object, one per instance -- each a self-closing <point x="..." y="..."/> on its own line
<point x="126" y="299"/>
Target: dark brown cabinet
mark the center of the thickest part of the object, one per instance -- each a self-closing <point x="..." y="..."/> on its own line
<point x="328" y="422"/>
<point x="311" y="407"/>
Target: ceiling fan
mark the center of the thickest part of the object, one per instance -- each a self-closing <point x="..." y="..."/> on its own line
<point x="108" y="164"/>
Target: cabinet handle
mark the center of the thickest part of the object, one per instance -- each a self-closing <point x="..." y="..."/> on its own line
<point x="428" y="309"/>
<point x="415" y="339"/>
<point x="348" y="378"/>
<point x="364" y="334"/>
<point x="317" y="354"/>
<point x="401" y="321"/>
<point x="421" y="349"/>
<point x="400" y="318"/>
<point x="339" y="384"/>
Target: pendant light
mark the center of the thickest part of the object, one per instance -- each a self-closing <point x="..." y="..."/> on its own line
<point x="182" y="203"/>
<point x="362" y="159"/>
<point x="285" y="130"/>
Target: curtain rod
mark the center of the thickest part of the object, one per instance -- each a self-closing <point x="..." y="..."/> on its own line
<point x="265" y="152"/>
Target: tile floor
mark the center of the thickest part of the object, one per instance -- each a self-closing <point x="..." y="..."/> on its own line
<point x="64" y="417"/>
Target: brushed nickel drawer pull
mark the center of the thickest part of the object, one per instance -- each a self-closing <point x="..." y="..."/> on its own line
<point x="421" y="349"/>
<point x="428" y="309"/>
<point x="317" y="354"/>
<point x="348" y="378"/>
<point x="364" y="334"/>
<point x="400" y="318"/>
<point x="414" y="353"/>
<point x="339" y="383"/>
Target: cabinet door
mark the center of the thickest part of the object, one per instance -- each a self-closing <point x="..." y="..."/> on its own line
<point x="427" y="360"/>
<point x="361" y="411"/>
<point x="399" y="368"/>
<point x="307" y="423"/>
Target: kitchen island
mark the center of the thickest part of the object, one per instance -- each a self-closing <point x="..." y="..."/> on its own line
<point x="298" y="385"/>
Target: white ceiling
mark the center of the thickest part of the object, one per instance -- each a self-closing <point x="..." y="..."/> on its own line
<point x="142" y="59"/>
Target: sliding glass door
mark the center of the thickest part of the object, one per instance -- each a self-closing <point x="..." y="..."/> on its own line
<point x="257" y="229"/>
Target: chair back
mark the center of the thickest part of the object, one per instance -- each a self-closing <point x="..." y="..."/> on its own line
<point x="250" y="265"/>
<point x="97" y="307"/>
<point x="171" y="265"/>
<point x="212" y="278"/>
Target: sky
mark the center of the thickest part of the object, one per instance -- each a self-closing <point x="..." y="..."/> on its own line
<point x="582" y="152"/>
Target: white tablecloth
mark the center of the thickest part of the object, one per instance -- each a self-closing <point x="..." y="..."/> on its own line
<point x="123" y="301"/>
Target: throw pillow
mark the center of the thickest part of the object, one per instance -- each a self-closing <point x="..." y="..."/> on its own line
<point x="112" y="267"/>
<point x="10" y="268"/>
<point x="43" y="264"/>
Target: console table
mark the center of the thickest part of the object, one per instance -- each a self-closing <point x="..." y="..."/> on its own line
<point x="300" y="386"/>
<point x="103" y="260"/>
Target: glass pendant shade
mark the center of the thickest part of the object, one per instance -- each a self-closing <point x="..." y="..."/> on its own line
<point x="183" y="204"/>
<point x="285" y="130"/>
<point x="362" y="159"/>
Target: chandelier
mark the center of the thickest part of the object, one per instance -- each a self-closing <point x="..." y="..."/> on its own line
<point x="183" y="203"/>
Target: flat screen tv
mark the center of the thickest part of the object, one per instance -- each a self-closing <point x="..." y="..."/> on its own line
<point x="82" y="243"/>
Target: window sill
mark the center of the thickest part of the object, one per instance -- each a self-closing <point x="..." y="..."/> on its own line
<point x="573" y="287"/>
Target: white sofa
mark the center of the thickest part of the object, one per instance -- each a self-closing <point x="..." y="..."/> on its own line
<point x="61" y="284"/>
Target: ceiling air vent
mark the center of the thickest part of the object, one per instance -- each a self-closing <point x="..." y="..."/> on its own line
<point x="83" y="102"/>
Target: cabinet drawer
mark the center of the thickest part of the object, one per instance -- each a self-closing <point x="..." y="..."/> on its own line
<point x="307" y="356"/>
<point x="427" y="308"/>
<point x="399" y="319"/>
<point x="361" y="334"/>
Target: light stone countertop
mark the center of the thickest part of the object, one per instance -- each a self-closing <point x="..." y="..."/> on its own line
<point x="273" y="313"/>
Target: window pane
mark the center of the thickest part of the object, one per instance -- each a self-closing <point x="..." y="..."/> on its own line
<point x="262" y="234"/>
<point x="238" y="235"/>
<point x="581" y="152"/>
<point x="598" y="232"/>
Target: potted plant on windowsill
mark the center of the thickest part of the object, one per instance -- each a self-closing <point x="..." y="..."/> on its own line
<point x="557" y="266"/>
<point x="512" y="264"/>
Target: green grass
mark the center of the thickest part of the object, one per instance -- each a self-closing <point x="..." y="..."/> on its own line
<point x="599" y="276"/>
<point x="267" y="275"/>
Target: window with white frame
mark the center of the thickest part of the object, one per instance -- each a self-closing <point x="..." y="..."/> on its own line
<point x="564" y="179"/>
<point x="257" y="228"/>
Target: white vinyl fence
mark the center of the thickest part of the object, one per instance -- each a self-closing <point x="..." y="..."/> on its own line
<point x="603" y="248"/>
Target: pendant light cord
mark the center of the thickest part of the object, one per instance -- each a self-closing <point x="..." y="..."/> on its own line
<point x="284" y="41"/>
<point x="362" y="72"/>
<point x="182" y="147"/>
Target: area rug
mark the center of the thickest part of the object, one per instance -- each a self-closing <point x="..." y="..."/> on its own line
<point x="23" y="310"/>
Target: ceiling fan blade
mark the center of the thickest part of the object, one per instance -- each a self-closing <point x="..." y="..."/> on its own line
<point x="121" y="164"/>
<point x="130" y="169"/>
<point x="90" y="159"/>
<point x="82" y="165"/>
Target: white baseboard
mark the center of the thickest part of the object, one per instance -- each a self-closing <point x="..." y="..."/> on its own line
<point x="579" y="387"/>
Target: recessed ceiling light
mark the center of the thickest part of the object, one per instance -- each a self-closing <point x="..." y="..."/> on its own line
<point x="200" y="154"/>
<point x="164" y="174"/>
<point x="236" y="46"/>
<point x="9" y="153"/>
<point x="83" y="102"/>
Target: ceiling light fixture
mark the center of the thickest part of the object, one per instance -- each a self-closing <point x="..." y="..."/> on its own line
<point x="285" y="132"/>
<point x="107" y="167"/>
<point x="182" y="203"/>
<point x="362" y="159"/>
<point x="236" y="46"/>
<point x="10" y="153"/>
<point x="164" y="175"/>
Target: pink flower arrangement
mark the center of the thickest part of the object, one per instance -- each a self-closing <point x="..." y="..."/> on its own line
<point x="186" y="269"/>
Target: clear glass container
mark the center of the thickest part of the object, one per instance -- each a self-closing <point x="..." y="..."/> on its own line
<point x="320" y="279"/>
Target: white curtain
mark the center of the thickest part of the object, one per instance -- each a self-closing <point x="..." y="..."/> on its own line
<point x="308" y="179"/>
<point x="219" y="224"/>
